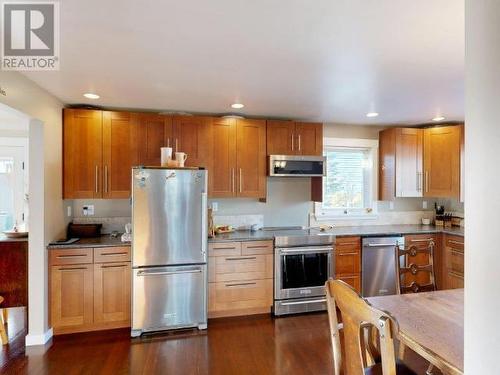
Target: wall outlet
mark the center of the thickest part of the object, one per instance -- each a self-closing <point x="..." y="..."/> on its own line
<point x="88" y="210"/>
<point x="215" y="206"/>
<point x="424" y="205"/>
<point x="391" y="205"/>
<point x="68" y="211"/>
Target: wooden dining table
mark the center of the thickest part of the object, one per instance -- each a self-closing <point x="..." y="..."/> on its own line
<point x="431" y="324"/>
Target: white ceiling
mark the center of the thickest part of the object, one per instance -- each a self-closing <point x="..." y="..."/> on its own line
<point x="328" y="60"/>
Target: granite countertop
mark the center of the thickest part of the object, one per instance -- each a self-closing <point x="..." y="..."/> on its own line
<point x="102" y="241"/>
<point x="3" y="238"/>
<point x="366" y="230"/>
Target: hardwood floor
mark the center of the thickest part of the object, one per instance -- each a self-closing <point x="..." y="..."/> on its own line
<point x="248" y="345"/>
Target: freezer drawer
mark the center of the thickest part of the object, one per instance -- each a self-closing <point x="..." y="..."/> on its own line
<point x="169" y="298"/>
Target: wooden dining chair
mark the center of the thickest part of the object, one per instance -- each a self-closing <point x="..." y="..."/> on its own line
<point x="3" y="333"/>
<point x="356" y="315"/>
<point x="412" y="277"/>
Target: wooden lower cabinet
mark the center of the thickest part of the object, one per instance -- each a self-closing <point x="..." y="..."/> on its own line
<point x="348" y="261"/>
<point x="71" y="303"/>
<point x="112" y="294"/>
<point x="88" y="296"/>
<point x="240" y="278"/>
<point x="453" y="273"/>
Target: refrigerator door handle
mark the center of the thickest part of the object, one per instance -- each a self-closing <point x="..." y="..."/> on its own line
<point x="204" y="224"/>
<point x="153" y="273"/>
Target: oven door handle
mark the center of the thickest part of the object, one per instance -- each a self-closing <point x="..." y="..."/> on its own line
<point x="306" y="250"/>
<point x="320" y="300"/>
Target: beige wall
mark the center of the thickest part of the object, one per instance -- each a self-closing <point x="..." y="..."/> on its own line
<point x="25" y="96"/>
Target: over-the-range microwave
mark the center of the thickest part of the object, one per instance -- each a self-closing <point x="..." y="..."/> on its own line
<point x="296" y="166"/>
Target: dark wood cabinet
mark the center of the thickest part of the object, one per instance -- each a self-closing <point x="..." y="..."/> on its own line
<point x="82" y="154"/>
<point x="154" y="132"/>
<point x="442" y="162"/>
<point x="222" y="175"/>
<point x="251" y="158"/>
<point x="294" y="138"/>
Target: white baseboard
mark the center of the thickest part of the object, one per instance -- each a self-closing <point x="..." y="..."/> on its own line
<point x="32" y="340"/>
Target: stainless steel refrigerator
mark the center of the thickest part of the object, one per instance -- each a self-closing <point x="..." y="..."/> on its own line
<point x="169" y="247"/>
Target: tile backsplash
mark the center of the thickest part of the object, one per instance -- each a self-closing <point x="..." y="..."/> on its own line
<point x="239" y="221"/>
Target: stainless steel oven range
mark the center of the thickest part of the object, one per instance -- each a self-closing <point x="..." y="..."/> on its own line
<point x="302" y="264"/>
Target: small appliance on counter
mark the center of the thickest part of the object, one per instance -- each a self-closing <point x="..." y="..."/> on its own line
<point x="83" y="230"/>
<point x="127" y="236"/>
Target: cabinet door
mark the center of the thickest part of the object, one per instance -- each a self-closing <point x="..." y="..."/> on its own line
<point x="280" y="137"/>
<point x="251" y="158"/>
<point x="192" y="135"/>
<point x="120" y="132"/>
<point x="309" y="137"/>
<point x="387" y="165"/>
<point x="222" y="174"/>
<point x="112" y="294"/>
<point x="71" y="304"/>
<point x="155" y="132"/>
<point x="409" y="162"/>
<point x="442" y="162"/>
<point x="82" y="149"/>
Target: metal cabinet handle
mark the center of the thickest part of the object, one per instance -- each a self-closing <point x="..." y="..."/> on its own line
<point x="293" y="136"/>
<point x="168" y="142"/>
<point x="426" y="181"/>
<point x="97" y="179"/>
<point x="423" y="240"/>
<point x="112" y="254"/>
<point x="239" y="284"/>
<point x="241" y="258"/>
<point x="232" y="181"/>
<point x="344" y="254"/>
<point x="257" y="247"/>
<point x="347" y="243"/>
<point x="456" y="252"/>
<point x="224" y="248"/>
<point x="299" y="141"/>
<point x="73" y="269"/>
<point x="71" y="256"/>
<point x="105" y="178"/>
<point x="176" y="145"/>
<point x="241" y="180"/>
<point x="114" y="266"/>
<point x="456" y="242"/>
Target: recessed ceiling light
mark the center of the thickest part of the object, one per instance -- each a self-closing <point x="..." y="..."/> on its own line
<point x="438" y="118"/>
<point x="372" y="114"/>
<point x="91" y="96"/>
<point x="237" y="105"/>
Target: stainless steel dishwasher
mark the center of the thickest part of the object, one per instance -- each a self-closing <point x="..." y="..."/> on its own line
<point x="378" y="265"/>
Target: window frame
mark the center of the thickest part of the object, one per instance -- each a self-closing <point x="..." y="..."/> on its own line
<point x="354" y="213"/>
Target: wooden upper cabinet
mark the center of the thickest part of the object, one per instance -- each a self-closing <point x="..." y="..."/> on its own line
<point x="280" y="137"/>
<point x="120" y="130"/>
<point x="409" y="162"/>
<point x="251" y="158"/>
<point x="442" y="162"/>
<point x="82" y="149"/>
<point x="387" y="165"/>
<point x="309" y="138"/>
<point x="222" y="175"/>
<point x="192" y="135"/>
<point x="154" y="132"/>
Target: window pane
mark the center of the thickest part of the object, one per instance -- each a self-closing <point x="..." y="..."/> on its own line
<point x="7" y="211"/>
<point x="344" y="186"/>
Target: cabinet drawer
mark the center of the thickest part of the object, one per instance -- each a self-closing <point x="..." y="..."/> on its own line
<point x="246" y="267"/>
<point x="420" y="240"/>
<point x="454" y="260"/>
<point x="224" y="249"/>
<point x="112" y="254"/>
<point x="347" y="263"/>
<point x="250" y="294"/>
<point x="348" y="244"/>
<point x="70" y="256"/>
<point x="257" y="247"/>
<point x="455" y="242"/>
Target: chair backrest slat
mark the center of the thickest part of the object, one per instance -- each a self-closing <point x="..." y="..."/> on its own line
<point x="408" y="270"/>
